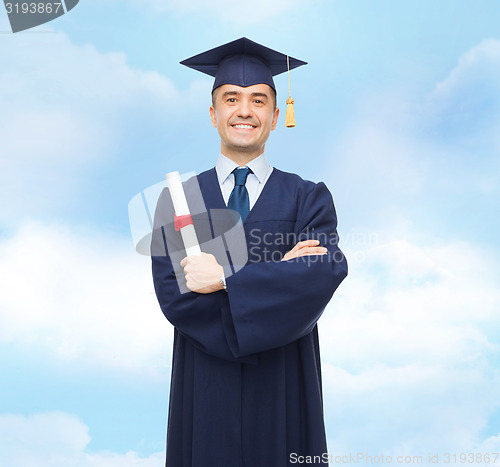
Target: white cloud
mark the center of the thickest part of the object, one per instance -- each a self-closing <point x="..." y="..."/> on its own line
<point x="57" y="439"/>
<point x="84" y="296"/>
<point x="67" y="108"/>
<point x="410" y="343"/>
<point x="474" y="82"/>
<point x="403" y="150"/>
<point x="464" y="108"/>
<point x="50" y="69"/>
<point x="491" y="445"/>
<point x="382" y="158"/>
<point x="410" y="349"/>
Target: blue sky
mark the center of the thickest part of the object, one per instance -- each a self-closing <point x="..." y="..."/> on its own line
<point x="398" y="112"/>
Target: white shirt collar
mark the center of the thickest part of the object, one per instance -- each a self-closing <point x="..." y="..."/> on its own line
<point x="225" y="167"/>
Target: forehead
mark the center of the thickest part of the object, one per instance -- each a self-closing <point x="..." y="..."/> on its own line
<point x="248" y="90"/>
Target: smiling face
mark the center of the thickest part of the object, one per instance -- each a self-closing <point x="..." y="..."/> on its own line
<point x="244" y="118"/>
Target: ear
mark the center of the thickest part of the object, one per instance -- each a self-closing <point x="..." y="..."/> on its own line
<point x="213" y="116"/>
<point x="275" y="118"/>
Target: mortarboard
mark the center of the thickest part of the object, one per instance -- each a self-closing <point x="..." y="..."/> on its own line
<point x="244" y="63"/>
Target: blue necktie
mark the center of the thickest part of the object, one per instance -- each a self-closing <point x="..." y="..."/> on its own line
<point x="239" y="196"/>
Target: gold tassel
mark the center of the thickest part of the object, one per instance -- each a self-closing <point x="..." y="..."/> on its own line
<point x="290" y="112"/>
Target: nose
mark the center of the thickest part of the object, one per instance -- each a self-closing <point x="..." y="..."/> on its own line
<point x="244" y="109"/>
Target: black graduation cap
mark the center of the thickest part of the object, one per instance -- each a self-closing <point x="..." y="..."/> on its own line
<point x="243" y="63"/>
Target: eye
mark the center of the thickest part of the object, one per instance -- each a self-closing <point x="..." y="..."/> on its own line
<point x="231" y="99"/>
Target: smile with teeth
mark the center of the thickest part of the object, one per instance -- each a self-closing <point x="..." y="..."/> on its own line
<point x="244" y="126"/>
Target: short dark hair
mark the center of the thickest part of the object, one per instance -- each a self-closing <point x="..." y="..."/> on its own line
<point x="273" y="93"/>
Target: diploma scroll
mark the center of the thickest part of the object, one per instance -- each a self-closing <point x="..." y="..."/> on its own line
<point x="183" y="221"/>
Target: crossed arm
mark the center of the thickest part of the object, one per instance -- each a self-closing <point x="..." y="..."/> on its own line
<point x="267" y="304"/>
<point x="203" y="272"/>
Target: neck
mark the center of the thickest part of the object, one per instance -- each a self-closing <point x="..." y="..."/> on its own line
<point x="240" y="158"/>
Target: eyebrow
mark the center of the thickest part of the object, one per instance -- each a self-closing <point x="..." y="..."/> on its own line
<point x="260" y="94"/>
<point x="253" y="94"/>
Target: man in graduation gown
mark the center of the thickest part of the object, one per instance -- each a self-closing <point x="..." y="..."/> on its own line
<point x="246" y="375"/>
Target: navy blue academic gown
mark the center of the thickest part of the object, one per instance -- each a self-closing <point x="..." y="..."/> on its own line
<point x="246" y="377"/>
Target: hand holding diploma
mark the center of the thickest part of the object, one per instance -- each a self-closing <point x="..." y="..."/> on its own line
<point x="201" y="270"/>
<point x="202" y="273"/>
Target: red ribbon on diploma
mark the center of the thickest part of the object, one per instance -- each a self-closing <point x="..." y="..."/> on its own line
<point x="182" y="221"/>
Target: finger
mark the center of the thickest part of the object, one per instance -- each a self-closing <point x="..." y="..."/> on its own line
<point x="190" y="260"/>
<point x="309" y="251"/>
<point x="307" y="243"/>
<point x="313" y="254"/>
<point x="319" y="250"/>
<point x="299" y="245"/>
<point x="314" y="250"/>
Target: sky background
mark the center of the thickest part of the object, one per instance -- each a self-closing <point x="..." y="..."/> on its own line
<point x="398" y="112"/>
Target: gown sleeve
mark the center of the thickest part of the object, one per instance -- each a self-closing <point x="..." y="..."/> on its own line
<point x="267" y="304"/>
<point x="274" y="303"/>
